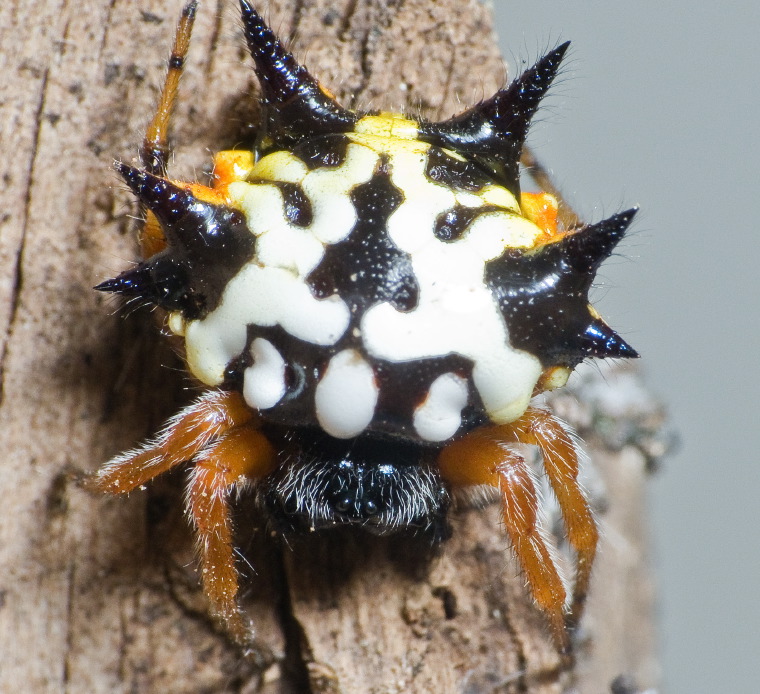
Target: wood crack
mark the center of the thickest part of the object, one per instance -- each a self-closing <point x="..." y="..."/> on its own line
<point x="297" y="650"/>
<point x="18" y="268"/>
<point x="216" y="33"/>
<point x="447" y="84"/>
<point x="70" y="620"/>
<point x="104" y="37"/>
<point x="298" y="12"/>
<point x="518" y="677"/>
<point x="345" y="25"/>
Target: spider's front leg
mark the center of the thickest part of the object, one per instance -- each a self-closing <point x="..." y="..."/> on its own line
<point x="485" y="456"/>
<point x="218" y="434"/>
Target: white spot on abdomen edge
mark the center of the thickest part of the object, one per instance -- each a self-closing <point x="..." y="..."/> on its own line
<point x="346" y="396"/>
<point x="439" y="417"/>
<point x="264" y="380"/>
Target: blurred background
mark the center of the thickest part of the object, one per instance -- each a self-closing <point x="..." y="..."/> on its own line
<point x="658" y="108"/>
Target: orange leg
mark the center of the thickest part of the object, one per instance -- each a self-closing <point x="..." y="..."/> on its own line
<point x="184" y="436"/>
<point x="239" y="456"/>
<point x="484" y="457"/>
<point x="155" y="151"/>
<point x="229" y="166"/>
<point x="540" y="428"/>
<point x="218" y="434"/>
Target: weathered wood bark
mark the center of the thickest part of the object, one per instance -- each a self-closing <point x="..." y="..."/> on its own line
<point x="100" y="595"/>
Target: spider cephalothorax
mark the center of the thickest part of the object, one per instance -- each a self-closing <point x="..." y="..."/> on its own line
<point x="372" y="303"/>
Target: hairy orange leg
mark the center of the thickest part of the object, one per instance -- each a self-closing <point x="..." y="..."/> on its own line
<point x="485" y="457"/>
<point x="184" y="436"/>
<point x="218" y="433"/>
<point x="241" y="455"/>
<point x="155" y="151"/>
<point x="540" y="428"/>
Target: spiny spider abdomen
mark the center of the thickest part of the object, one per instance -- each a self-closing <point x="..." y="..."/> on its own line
<point x="372" y="303"/>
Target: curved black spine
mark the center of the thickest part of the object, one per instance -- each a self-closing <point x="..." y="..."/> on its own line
<point x="296" y="106"/>
<point x="494" y="130"/>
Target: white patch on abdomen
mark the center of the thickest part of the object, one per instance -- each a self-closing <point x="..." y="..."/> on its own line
<point x="456" y="313"/>
<point x="264" y="381"/>
<point x="410" y="227"/>
<point x="489" y="234"/>
<point x="346" y="396"/>
<point x="329" y="191"/>
<point x="260" y="296"/>
<point x="440" y="416"/>
<point x="272" y="289"/>
<point x="278" y="242"/>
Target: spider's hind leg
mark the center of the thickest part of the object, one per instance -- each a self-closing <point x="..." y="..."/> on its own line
<point x="219" y="434"/>
<point x="486" y="456"/>
<point x="236" y="459"/>
<point x="184" y="436"/>
<point x="540" y="428"/>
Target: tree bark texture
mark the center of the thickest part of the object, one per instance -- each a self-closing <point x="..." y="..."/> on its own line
<point x="100" y="594"/>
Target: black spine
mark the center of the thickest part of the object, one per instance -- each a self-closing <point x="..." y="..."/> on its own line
<point x="296" y="106"/>
<point x="543" y="295"/>
<point x="207" y="245"/>
<point x="494" y="131"/>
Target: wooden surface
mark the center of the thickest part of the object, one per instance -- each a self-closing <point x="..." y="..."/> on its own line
<point x="100" y="595"/>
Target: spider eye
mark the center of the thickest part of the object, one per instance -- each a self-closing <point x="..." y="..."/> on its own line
<point x="344" y="503"/>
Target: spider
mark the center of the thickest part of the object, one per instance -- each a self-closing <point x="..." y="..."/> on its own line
<point x="372" y="305"/>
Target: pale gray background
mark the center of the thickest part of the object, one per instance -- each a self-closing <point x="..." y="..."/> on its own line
<point x="659" y="107"/>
